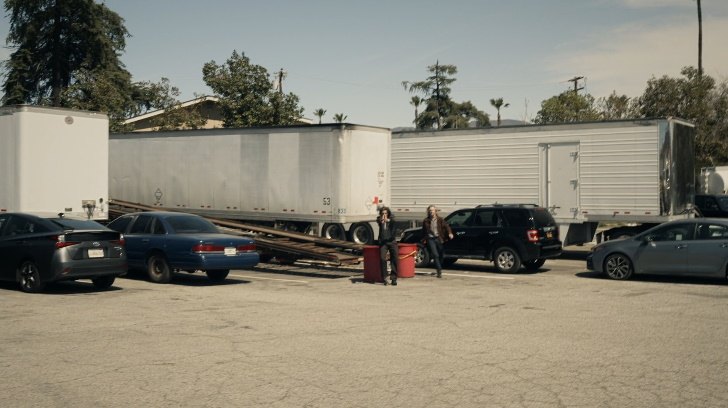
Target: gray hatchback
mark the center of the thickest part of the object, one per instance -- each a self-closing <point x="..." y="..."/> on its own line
<point x="35" y="251"/>
<point x="693" y="247"/>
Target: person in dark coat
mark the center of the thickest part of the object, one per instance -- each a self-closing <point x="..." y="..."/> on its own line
<point x="436" y="232"/>
<point x="387" y="243"/>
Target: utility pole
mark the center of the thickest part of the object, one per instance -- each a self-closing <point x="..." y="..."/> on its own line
<point x="575" y="80"/>
<point x="281" y="75"/>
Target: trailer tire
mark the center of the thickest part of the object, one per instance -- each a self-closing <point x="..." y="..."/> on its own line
<point x="361" y="233"/>
<point x="333" y="231"/>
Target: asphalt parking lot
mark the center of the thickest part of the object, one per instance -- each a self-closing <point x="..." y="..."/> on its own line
<point x="306" y="335"/>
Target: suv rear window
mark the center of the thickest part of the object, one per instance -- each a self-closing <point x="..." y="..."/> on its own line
<point x="517" y="218"/>
<point x="542" y="217"/>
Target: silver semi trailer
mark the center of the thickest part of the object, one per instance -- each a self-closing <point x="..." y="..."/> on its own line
<point x="588" y="174"/>
<point x="54" y="161"/>
<point x="324" y="179"/>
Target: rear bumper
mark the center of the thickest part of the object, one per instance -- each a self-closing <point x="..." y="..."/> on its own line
<point x="217" y="261"/>
<point x="543" y="251"/>
<point x="83" y="269"/>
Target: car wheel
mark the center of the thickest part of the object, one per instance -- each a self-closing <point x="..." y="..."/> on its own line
<point x="534" y="264"/>
<point x="29" y="277"/>
<point x="218" y="275"/>
<point x="618" y="266"/>
<point x="103" y="282"/>
<point x="506" y="260"/>
<point x="158" y="269"/>
<point x="422" y="257"/>
<point x="361" y="233"/>
<point x="448" y="262"/>
<point x="333" y="231"/>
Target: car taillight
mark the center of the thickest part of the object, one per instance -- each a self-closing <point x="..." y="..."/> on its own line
<point x="119" y="241"/>
<point x="62" y="243"/>
<point x="207" y="248"/>
<point x="532" y="235"/>
<point x="246" y="248"/>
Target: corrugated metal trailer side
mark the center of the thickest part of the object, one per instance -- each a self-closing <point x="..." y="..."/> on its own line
<point x="622" y="171"/>
<point x="330" y="176"/>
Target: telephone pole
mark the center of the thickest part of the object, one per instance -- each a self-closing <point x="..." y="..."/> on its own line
<point x="281" y="75"/>
<point x="575" y="80"/>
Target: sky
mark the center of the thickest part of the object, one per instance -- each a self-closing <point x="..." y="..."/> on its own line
<point x="351" y="56"/>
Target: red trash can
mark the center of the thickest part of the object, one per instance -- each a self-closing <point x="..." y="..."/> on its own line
<point x="406" y="261"/>
<point x="372" y="270"/>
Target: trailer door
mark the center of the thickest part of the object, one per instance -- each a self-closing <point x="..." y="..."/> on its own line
<point x="561" y="162"/>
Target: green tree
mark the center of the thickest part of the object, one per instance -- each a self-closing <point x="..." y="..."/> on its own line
<point x="441" y="112"/>
<point x="153" y="96"/>
<point x="416" y="101"/>
<point x="339" y="118"/>
<point x="320" y="112"/>
<point x="616" y="107"/>
<point x="498" y="104"/>
<point x="696" y="98"/>
<point x="247" y="96"/>
<point x="567" y="107"/>
<point x="58" y="44"/>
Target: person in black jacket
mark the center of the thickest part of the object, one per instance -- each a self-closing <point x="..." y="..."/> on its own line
<point x="436" y="232"/>
<point x="387" y="243"/>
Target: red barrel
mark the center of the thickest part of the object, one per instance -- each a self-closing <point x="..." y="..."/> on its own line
<point x="372" y="271"/>
<point x="406" y="261"/>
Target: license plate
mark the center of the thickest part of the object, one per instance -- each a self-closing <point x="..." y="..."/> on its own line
<point x="229" y="251"/>
<point x="95" y="253"/>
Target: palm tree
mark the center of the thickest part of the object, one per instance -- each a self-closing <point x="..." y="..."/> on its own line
<point x="498" y="104"/>
<point x="320" y="112"/>
<point x="339" y="118"/>
<point x="416" y="101"/>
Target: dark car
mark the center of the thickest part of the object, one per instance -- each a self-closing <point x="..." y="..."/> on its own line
<point x="712" y="205"/>
<point x="693" y="247"/>
<point x="164" y="242"/>
<point x="35" y="251"/>
<point x="510" y="235"/>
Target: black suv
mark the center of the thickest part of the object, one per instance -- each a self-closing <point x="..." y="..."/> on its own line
<point x="509" y="235"/>
<point x="712" y="205"/>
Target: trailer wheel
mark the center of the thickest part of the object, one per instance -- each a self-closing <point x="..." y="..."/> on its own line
<point x="361" y="233"/>
<point x="333" y="231"/>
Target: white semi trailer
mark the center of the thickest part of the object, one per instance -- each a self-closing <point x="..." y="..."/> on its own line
<point x="586" y="174"/>
<point x="54" y="161"/>
<point x="324" y="179"/>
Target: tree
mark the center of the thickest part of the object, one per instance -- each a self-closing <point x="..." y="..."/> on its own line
<point x="616" y="107"/>
<point x="59" y="44"/>
<point x="696" y="98"/>
<point x="320" y="112"/>
<point x="247" y="96"/>
<point x="339" y="118"/>
<point x="416" y="101"/>
<point x="498" y="104"/>
<point x="441" y="112"/>
<point x="567" y="107"/>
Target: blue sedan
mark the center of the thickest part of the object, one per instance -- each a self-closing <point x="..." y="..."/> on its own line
<point x="164" y="242"/>
<point x="694" y="247"/>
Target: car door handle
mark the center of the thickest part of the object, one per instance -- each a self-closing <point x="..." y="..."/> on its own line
<point x="493" y="232"/>
<point x="724" y="245"/>
<point x="460" y="233"/>
<point x="681" y="246"/>
<point x="145" y="240"/>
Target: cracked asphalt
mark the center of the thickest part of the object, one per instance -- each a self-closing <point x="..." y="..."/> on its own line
<point x="312" y="336"/>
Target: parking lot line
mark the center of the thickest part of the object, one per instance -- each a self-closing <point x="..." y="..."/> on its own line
<point x="478" y="276"/>
<point x="273" y="279"/>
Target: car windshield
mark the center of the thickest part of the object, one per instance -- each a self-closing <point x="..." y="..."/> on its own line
<point x="185" y="224"/>
<point x="70" y="224"/>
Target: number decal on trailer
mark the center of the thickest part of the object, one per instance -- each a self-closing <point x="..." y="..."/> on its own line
<point x="327" y="200"/>
<point x="341" y="211"/>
